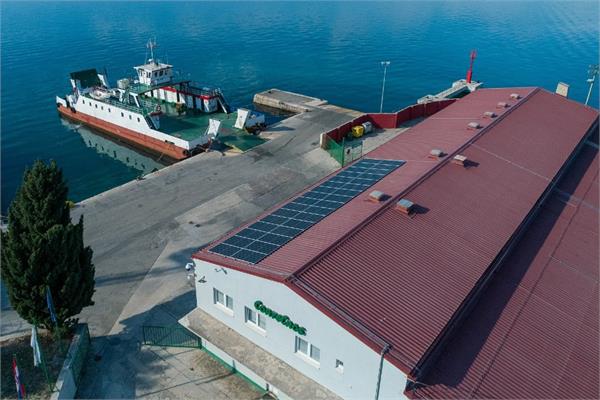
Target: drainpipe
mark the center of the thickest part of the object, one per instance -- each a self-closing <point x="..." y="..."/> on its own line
<point x="383" y="352"/>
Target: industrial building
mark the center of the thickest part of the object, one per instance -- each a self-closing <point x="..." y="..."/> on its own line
<point x="458" y="260"/>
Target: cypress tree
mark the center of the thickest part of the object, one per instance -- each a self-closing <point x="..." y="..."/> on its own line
<point x="42" y="248"/>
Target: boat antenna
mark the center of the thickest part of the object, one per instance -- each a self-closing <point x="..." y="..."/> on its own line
<point x="470" y="71"/>
<point x="151" y="45"/>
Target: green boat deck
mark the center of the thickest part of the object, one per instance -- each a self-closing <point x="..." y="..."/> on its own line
<point x="193" y="124"/>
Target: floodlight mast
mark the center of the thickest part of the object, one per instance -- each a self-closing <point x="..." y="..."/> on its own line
<point x="384" y="64"/>
<point x="592" y="74"/>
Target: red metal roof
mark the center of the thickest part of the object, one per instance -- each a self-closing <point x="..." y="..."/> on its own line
<point x="445" y="130"/>
<point x="405" y="278"/>
<point x="534" y="334"/>
<point x="390" y="278"/>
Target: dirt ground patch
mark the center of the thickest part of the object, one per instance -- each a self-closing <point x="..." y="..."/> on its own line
<point x="33" y="378"/>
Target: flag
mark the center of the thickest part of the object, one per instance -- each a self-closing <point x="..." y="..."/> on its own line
<point x="50" y="305"/>
<point x="20" y="387"/>
<point x="35" y="345"/>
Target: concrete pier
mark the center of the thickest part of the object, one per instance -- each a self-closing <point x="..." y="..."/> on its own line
<point x="287" y="101"/>
<point x="186" y="205"/>
<point x="459" y="88"/>
<point x="298" y="103"/>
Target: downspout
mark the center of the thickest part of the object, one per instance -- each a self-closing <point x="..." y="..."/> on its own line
<point x="383" y="352"/>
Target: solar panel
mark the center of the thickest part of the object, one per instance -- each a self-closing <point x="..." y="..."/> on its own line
<point x="266" y="236"/>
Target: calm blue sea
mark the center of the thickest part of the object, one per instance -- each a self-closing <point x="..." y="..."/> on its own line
<point x="328" y="50"/>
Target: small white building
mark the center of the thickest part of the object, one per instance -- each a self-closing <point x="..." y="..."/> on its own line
<point x="281" y="342"/>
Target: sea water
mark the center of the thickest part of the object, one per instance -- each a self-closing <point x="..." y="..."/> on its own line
<point x="330" y="50"/>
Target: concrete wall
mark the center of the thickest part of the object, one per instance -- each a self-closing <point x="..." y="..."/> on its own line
<point x="66" y="383"/>
<point x="391" y="120"/>
<point x="361" y="364"/>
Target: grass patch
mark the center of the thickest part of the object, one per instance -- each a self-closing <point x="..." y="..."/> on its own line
<point x="36" y="386"/>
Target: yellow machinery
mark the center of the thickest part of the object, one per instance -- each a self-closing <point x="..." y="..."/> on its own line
<point x="358" y="131"/>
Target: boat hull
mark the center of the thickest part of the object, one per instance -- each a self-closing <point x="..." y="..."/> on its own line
<point x="134" y="138"/>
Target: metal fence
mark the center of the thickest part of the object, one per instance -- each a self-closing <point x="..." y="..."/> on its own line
<point x="344" y="152"/>
<point x="79" y="357"/>
<point x="170" y="336"/>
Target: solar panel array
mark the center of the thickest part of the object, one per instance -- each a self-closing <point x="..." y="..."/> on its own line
<point x="265" y="236"/>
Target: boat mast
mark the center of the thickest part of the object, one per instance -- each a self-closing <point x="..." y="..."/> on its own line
<point x="151" y="45"/>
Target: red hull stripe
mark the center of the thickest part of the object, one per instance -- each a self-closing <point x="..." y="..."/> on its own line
<point x="127" y="135"/>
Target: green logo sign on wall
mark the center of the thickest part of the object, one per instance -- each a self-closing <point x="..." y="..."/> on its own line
<point x="283" y="319"/>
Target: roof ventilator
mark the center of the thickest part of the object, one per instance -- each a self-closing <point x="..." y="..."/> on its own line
<point x="489" y="114"/>
<point x="459" y="159"/>
<point x="474" y="125"/>
<point x="376" y="196"/>
<point x="436" y="154"/>
<point x="502" y="104"/>
<point x="515" y="96"/>
<point x="405" y="206"/>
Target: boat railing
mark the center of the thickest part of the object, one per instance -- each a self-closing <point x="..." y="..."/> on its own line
<point x="129" y="107"/>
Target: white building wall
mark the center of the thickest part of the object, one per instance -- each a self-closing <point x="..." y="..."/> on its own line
<point x="88" y="105"/>
<point x="361" y="364"/>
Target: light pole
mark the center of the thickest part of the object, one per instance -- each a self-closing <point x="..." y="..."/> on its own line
<point x="384" y="64"/>
<point x="592" y="74"/>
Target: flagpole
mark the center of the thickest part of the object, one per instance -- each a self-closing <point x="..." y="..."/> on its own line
<point x="53" y="318"/>
<point x="43" y="362"/>
<point x="17" y="377"/>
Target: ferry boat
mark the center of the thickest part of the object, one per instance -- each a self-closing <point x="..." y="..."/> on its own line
<point x="174" y="118"/>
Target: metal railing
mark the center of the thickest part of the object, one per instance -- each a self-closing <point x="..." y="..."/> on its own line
<point x="170" y="336"/>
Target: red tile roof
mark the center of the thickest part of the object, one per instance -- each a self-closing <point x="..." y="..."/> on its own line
<point x="534" y="334"/>
<point x="403" y="281"/>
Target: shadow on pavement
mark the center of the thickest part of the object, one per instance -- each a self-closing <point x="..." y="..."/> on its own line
<point x="119" y="366"/>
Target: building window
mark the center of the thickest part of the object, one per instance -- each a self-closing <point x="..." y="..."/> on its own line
<point x="308" y="350"/>
<point x="339" y="366"/>
<point x="222" y="299"/>
<point x="255" y="319"/>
